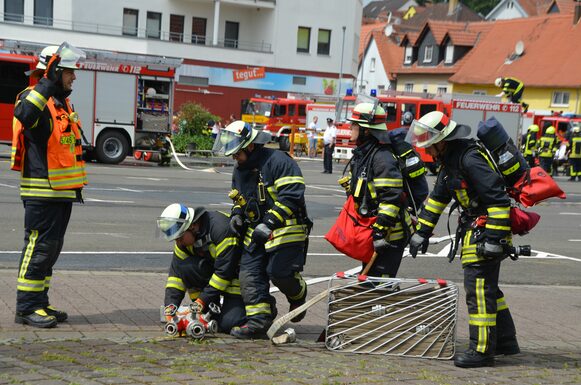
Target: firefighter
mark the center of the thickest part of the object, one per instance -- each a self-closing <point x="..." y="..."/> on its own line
<point x="377" y="187"/>
<point x="466" y="175"/>
<point x="575" y="153"/>
<point x="529" y="144"/>
<point x="206" y="258"/>
<point x="547" y="146"/>
<point x="274" y="221"/>
<point x="513" y="89"/>
<point x="46" y="149"/>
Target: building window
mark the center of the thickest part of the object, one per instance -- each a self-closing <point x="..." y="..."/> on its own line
<point x="372" y="65"/>
<point x="303" y="39"/>
<point x="130" y="17"/>
<point x="428" y="54"/>
<point x="14" y="10"/>
<point x="479" y="92"/>
<point x="442" y="90"/>
<point x="408" y="55"/>
<point x="194" y="81"/>
<point x="560" y="98"/>
<point x="153" y="26"/>
<point x="300" y="80"/>
<point x="231" y="34"/>
<point x="199" y="30"/>
<point x="380" y="87"/>
<point x="449" y="54"/>
<point x="324" y="42"/>
<point x="176" y="28"/>
<point x="409" y="87"/>
<point x="43" y="12"/>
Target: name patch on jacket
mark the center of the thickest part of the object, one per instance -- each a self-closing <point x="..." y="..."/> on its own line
<point x="68" y="140"/>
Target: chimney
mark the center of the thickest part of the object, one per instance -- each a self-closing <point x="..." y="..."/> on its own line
<point x="452" y="5"/>
<point x="577" y="13"/>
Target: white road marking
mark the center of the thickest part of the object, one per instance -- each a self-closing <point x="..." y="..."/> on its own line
<point x="7" y="185"/>
<point x="147" y="178"/>
<point x="222" y="204"/>
<point x="113" y="235"/>
<point x="569" y="213"/>
<point x="105" y="201"/>
<point x="325" y="188"/>
<point x="129" y="190"/>
<point x="574" y="240"/>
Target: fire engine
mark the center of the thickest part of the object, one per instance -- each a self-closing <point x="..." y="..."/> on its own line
<point x="124" y="101"/>
<point x="278" y="116"/>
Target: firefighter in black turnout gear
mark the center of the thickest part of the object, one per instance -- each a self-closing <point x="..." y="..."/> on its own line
<point x="529" y="144"/>
<point x="468" y="177"/>
<point x="377" y="187"/>
<point x="205" y="263"/>
<point x="273" y="221"/>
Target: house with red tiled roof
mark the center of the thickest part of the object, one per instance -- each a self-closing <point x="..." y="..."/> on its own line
<point x="381" y="58"/>
<point x="547" y="60"/>
<point x="514" y="9"/>
<point x="366" y="33"/>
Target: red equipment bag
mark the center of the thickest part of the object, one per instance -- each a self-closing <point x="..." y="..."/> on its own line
<point x="521" y="222"/>
<point x="535" y="186"/>
<point x="352" y="234"/>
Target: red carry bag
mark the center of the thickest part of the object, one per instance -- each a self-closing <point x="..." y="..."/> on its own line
<point x="521" y="222"/>
<point x="535" y="186"/>
<point x="352" y="234"/>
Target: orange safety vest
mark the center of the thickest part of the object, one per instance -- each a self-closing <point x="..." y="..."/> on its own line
<point x="66" y="169"/>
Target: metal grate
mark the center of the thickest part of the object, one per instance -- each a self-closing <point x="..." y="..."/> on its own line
<point x="402" y="317"/>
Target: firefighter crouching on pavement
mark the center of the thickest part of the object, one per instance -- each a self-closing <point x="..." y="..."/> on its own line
<point x="468" y="177"/>
<point x="46" y="149"/>
<point x="206" y="258"/>
<point x="377" y="187"/>
<point x="547" y="147"/>
<point x="575" y="153"/>
<point x="275" y="223"/>
<point x="529" y="144"/>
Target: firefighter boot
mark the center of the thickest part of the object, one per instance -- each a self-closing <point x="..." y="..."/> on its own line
<point x="246" y="333"/>
<point x="60" y="315"/>
<point x="473" y="359"/>
<point x="508" y="347"/>
<point x="39" y="319"/>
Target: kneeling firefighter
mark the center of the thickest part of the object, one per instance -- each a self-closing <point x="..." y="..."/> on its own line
<point x="205" y="263"/>
<point x="275" y="222"/>
<point x="468" y="177"/>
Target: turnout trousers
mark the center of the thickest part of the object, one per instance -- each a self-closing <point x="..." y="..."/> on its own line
<point x="45" y="225"/>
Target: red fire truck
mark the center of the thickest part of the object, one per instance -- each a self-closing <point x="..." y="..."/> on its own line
<point x="124" y="101"/>
<point x="278" y="116"/>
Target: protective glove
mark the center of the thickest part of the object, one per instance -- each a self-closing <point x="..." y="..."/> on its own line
<point x="197" y="306"/>
<point x="261" y="234"/>
<point x="490" y="250"/>
<point x="51" y="68"/>
<point x="236" y="224"/>
<point x="418" y="243"/>
<point x="380" y="244"/>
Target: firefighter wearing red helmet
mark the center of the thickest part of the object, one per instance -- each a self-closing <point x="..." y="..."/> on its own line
<point x="46" y="149"/>
<point x="273" y="222"/>
<point x="466" y="176"/>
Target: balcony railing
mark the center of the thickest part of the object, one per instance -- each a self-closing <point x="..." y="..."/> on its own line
<point x="138" y="33"/>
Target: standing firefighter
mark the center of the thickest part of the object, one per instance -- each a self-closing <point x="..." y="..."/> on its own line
<point x="276" y="228"/>
<point x="547" y="146"/>
<point x="529" y="144"/>
<point x="575" y="153"/>
<point x="467" y="177"/>
<point x="513" y="89"/>
<point x="205" y="262"/>
<point x="377" y="187"/>
<point x="46" y="149"/>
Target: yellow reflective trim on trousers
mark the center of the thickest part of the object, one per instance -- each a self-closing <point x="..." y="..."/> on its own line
<point x="28" y="253"/>
<point x="33" y="285"/>
<point x="482" y="319"/>
<point x="276" y="214"/>
<point x="234" y="287"/>
<point x="501" y="304"/>
<point x="288" y="180"/>
<point x="426" y="223"/>
<point x="284" y="208"/>
<point x="226" y="242"/>
<point x="37" y="99"/>
<point x="259" y="308"/>
<point x="180" y="253"/>
<point x="388" y="182"/>
<point x="176" y="283"/>
<point x="45" y="193"/>
<point x="462" y="196"/>
<point x="47" y="282"/>
<point x="194" y="294"/>
<point x="219" y="283"/>
<point x="301" y="292"/>
<point x="292" y="238"/>
<point x="481" y="308"/>
<point x="498" y="212"/>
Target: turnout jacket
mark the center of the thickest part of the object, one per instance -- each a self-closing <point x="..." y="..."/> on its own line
<point x="377" y="188"/>
<point x="210" y="267"/>
<point x="547" y="145"/>
<point x="274" y="188"/>
<point x="529" y="143"/>
<point x="511" y="86"/>
<point x="467" y="175"/>
<point x="46" y="145"/>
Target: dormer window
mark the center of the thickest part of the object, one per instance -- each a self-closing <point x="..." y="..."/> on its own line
<point x="428" y="54"/>
<point x="408" y="56"/>
<point x="449" y="54"/>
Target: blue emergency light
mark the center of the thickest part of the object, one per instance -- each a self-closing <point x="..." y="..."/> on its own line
<point x="349" y="92"/>
<point x="373" y="92"/>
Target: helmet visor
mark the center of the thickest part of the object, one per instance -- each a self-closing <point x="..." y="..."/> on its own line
<point x="171" y="228"/>
<point x="422" y="135"/>
<point x="70" y="55"/>
<point x="231" y="142"/>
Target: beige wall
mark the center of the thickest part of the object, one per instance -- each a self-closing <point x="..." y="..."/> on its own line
<point x="430" y="82"/>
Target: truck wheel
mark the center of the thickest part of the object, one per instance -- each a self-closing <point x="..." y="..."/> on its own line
<point x="284" y="143"/>
<point x="112" y="147"/>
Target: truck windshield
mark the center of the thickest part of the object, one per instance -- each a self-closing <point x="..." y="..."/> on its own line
<point x="259" y="108"/>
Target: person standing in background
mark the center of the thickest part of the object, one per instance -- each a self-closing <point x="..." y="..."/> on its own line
<point x="312" y="132"/>
<point x="329" y="139"/>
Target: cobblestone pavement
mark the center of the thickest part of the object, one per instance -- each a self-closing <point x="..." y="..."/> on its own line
<point x="114" y="336"/>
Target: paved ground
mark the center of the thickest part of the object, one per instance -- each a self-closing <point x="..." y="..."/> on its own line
<point x="114" y="336"/>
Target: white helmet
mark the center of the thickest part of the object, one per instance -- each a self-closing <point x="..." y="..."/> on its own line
<point x="498" y="82"/>
<point x="176" y="219"/>
<point x="70" y="56"/>
<point x="238" y="135"/>
<point x="434" y="127"/>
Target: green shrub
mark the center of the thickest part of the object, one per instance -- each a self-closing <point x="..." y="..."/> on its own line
<point x="202" y="142"/>
<point x="192" y="123"/>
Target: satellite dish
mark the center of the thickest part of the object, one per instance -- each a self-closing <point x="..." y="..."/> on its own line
<point x="519" y="48"/>
<point x="388" y="30"/>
